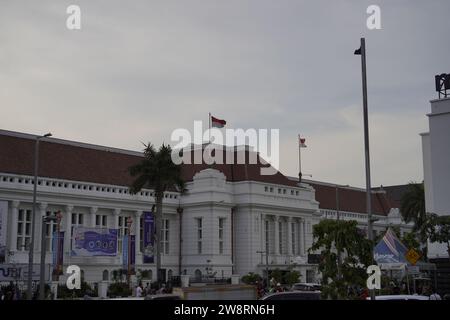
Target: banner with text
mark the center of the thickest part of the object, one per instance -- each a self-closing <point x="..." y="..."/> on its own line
<point x="3" y="223"/>
<point x="19" y="272"/>
<point x="148" y="240"/>
<point x="89" y="242"/>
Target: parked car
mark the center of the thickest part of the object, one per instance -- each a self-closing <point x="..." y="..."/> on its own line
<point x="306" y="287"/>
<point x="400" y="297"/>
<point x="164" y="296"/>
<point x="293" y="295"/>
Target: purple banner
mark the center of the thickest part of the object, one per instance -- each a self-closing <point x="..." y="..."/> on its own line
<point x="126" y="247"/>
<point x="149" y="223"/>
<point x="94" y="242"/>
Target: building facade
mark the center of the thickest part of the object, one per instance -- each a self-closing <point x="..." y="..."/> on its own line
<point x="436" y="167"/>
<point x="230" y="221"/>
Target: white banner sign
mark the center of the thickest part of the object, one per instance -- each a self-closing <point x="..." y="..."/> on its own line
<point x="19" y="272"/>
<point x="3" y="224"/>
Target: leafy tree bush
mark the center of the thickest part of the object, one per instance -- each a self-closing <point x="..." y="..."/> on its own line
<point x="251" y="278"/>
<point x="85" y="289"/>
<point x="338" y="238"/>
<point x="119" y="289"/>
<point x="291" y="277"/>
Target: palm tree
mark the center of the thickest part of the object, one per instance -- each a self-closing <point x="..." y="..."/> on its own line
<point x="412" y="209"/>
<point x="158" y="172"/>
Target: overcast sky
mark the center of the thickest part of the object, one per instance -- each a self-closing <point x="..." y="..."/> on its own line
<point x="137" y="70"/>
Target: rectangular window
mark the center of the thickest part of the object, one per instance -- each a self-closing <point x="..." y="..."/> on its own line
<point x="50" y="229"/>
<point x="141" y="236"/>
<point x="77" y="219"/>
<point x="23" y="230"/>
<point x="121" y="231"/>
<point x="101" y="221"/>
<point x="165" y="237"/>
<point x="221" y="233"/>
<point x="280" y="237"/>
<point x="267" y="235"/>
<point x="199" y="235"/>
<point x="293" y="236"/>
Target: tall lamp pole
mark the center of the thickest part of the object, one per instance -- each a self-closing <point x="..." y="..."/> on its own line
<point x="33" y="218"/>
<point x="46" y="220"/>
<point x="362" y="52"/>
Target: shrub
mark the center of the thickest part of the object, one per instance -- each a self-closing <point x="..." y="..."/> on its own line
<point x="251" y="278"/>
<point x="119" y="289"/>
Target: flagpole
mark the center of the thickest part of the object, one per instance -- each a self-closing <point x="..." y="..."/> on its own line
<point x="209" y="123"/>
<point x="299" y="161"/>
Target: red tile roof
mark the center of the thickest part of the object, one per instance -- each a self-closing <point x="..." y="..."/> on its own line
<point x="350" y="199"/>
<point x="82" y="162"/>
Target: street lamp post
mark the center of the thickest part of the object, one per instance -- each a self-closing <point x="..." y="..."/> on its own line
<point x="362" y="51"/>
<point x="45" y="220"/>
<point x="33" y="218"/>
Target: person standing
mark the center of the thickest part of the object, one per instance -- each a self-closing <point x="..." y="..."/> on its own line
<point x="139" y="290"/>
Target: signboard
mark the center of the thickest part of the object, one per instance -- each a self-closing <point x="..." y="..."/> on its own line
<point x="126" y="247"/>
<point x="19" y="272"/>
<point x="412" y="256"/>
<point x="413" y="270"/>
<point x="91" y="242"/>
<point x="58" y="252"/>
<point x="148" y="241"/>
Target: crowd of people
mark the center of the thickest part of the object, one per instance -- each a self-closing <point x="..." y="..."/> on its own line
<point x="141" y="291"/>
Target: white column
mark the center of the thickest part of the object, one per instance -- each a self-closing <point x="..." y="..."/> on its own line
<point x="289" y="236"/>
<point x="302" y="238"/>
<point x="93" y="212"/>
<point x="263" y="232"/>
<point x="38" y="227"/>
<point x="276" y="219"/>
<point x="116" y="214"/>
<point x="13" y="234"/>
<point x="67" y="228"/>
<point x="137" y="235"/>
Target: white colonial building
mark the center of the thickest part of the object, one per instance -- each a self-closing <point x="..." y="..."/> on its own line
<point x="231" y="220"/>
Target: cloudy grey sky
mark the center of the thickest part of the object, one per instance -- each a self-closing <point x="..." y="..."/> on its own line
<point x="139" y="69"/>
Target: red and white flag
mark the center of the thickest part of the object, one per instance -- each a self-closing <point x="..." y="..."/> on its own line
<point x="301" y="142"/>
<point x="217" y="123"/>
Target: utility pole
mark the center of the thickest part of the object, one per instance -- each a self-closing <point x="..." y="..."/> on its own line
<point x="339" y="258"/>
<point x="362" y="51"/>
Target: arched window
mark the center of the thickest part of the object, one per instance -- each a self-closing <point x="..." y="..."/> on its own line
<point x="105" y="276"/>
<point x="198" y="275"/>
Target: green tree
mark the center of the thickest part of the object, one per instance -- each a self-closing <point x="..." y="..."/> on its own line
<point x="338" y="237"/>
<point x="251" y="278"/>
<point x="291" y="277"/>
<point x="158" y="172"/>
<point x="412" y="209"/>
